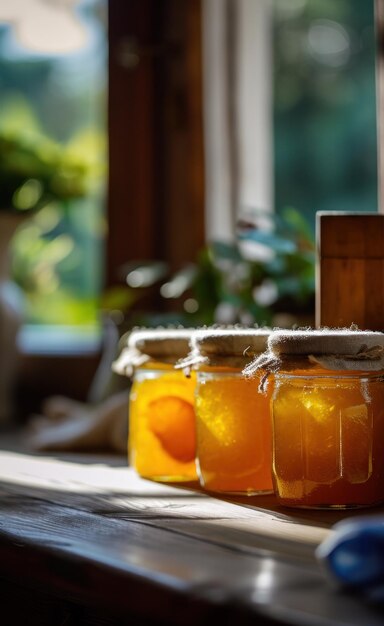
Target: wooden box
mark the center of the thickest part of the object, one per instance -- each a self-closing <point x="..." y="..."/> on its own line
<point x="350" y="270"/>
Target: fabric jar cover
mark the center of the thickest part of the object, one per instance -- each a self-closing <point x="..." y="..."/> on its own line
<point x="163" y="345"/>
<point x="231" y="347"/>
<point x="332" y="349"/>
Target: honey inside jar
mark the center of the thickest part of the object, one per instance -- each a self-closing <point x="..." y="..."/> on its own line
<point x="162" y="439"/>
<point x="233" y="423"/>
<point x="328" y="441"/>
<point x="162" y="422"/>
<point x="328" y="424"/>
<point x="234" y="434"/>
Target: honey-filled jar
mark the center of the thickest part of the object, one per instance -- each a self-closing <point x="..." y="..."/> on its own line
<point x="233" y="427"/>
<point x="328" y="417"/>
<point x="161" y="439"/>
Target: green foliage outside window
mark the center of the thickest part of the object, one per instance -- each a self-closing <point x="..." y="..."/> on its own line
<point x="59" y="188"/>
<point x="325" y="106"/>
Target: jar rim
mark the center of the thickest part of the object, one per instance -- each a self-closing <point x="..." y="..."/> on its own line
<point x="331" y="374"/>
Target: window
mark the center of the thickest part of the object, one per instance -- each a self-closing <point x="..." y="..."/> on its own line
<point x="53" y="83"/>
<point x="325" y="128"/>
<point x="288" y="107"/>
<point x="291" y="124"/>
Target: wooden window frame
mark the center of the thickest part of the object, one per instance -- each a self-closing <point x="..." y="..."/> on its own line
<point x="156" y="179"/>
<point x="155" y="203"/>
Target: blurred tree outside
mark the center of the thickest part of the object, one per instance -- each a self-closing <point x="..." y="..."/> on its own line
<point x="325" y="106"/>
<point x="53" y="168"/>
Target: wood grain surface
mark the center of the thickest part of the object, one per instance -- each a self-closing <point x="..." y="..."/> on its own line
<point x="350" y="270"/>
<point x="95" y="536"/>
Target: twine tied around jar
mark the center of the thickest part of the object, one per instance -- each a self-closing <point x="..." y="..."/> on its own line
<point x="128" y="361"/>
<point x="221" y="347"/>
<point x="144" y="345"/>
<point x="191" y="362"/>
<point x="268" y="362"/>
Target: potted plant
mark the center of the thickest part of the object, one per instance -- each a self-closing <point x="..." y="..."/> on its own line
<point x="265" y="276"/>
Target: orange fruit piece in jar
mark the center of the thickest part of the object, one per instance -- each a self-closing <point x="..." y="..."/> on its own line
<point x="172" y="420"/>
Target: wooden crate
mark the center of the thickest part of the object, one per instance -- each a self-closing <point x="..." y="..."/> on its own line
<point x="350" y="270"/>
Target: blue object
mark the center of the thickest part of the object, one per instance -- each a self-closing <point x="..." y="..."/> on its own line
<point x="353" y="555"/>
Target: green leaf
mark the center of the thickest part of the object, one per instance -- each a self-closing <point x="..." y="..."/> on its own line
<point x="180" y="282"/>
<point x="298" y="224"/>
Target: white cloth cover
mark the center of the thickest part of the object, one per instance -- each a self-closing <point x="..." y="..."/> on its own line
<point x="232" y="347"/>
<point x="334" y="349"/>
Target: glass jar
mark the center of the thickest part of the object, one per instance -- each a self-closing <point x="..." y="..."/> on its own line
<point x="328" y="425"/>
<point x="233" y="425"/>
<point x="162" y="425"/>
<point x="162" y="440"/>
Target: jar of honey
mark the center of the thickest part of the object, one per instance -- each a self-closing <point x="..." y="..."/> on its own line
<point x="161" y="440"/>
<point x="328" y="417"/>
<point x="233" y="427"/>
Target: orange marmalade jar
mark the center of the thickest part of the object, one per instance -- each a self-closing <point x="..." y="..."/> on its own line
<point x="161" y="440"/>
<point x="328" y="418"/>
<point x="233" y="427"/>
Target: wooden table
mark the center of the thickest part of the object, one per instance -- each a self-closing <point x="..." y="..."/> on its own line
<point x="83" y="540"/>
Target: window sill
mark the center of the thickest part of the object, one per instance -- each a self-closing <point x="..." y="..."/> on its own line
<point x="59" y="340"/>
<point x="57" y="360"/>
